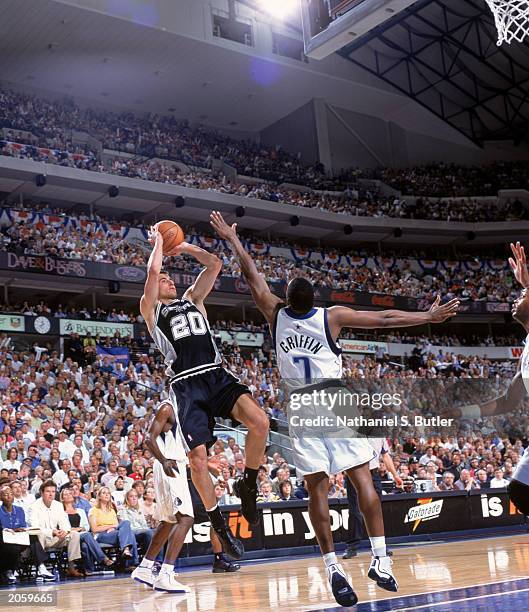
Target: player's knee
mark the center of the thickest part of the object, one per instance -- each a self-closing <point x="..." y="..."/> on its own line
<point x="186" y="521"/>
<point x="198" y="461"/>
<point x="261" y="424"/>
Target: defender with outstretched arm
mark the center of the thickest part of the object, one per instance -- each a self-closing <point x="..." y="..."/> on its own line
<point x="306" y="349"/>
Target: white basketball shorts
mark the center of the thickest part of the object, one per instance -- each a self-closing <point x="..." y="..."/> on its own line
<point x="172" y="493"/>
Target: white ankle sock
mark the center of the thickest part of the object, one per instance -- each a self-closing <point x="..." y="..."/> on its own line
<point x="330" y="559"/>
<point x="147" y="563"/>
<point x="167" y="568"/>
<point x="378" y="546"/>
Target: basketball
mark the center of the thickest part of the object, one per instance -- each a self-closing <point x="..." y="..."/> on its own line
<point x="172" y="235"/>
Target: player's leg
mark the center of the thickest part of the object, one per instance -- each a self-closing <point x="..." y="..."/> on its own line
<point x="198" y="462"/>
<point x="143" y="573"/>
<point x="318" y="489"/>
<point x="167" y="578"/>
<point x="249" y="413"/>
<point x="356" y="521"/>
<point x="371" y="508"/>
<point x="221" y="563"/>
<point x="196" y="408"/>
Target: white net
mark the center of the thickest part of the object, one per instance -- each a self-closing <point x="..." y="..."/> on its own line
<point x="512" y="19"/>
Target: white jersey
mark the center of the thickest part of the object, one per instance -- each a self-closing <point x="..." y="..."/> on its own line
<point x="305" y="350"/>
<point x="524" y="361"/>
<point x="380" y="446"/>
<point x="522" y="469"/>
<point x="171" y="446"/>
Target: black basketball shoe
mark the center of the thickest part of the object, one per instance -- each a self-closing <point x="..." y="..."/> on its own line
<point x="223" y="565"/>
<point x="248" y="499"/>
<point x="230" y="544"/>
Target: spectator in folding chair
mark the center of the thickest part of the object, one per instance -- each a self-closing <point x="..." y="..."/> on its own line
<point x="107" y="529"/>
<point x="55" y="532"/>
<point x="132" y="512"/>
<point x="92" y="551"/>
<point x="13" y="518"/>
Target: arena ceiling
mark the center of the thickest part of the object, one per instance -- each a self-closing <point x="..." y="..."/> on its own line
<point x="443" y="55"/>
<point x="54" y="46"/>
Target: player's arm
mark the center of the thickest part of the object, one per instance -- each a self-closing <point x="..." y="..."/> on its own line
<point x="341" y="316"/>
<point x="149" y="298"/>
<point x="505" y="403"/>
<point x="264" y="299"/>
<point x="205" y="281"/>
<point x="163" y="416"/>
<point x="388" y="462"/>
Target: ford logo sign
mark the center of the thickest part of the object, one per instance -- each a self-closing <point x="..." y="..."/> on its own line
<point x="130" y="274"/>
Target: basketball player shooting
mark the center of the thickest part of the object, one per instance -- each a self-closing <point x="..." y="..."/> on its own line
<point x="519" y="386"/>
<point x="296" y="327"/>
<point x="200" y="388"/>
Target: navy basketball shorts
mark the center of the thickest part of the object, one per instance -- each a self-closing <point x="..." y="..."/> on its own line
<point x="200" y="399"/>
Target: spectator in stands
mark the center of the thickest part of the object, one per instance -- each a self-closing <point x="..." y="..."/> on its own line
<point x="26" y="499"/>
<point x="266" y="494"/>
<point x="12" y="518"/>
<point x="498" y="482"/>
<point x="465" y="482"/>
<point x="107" y="529"/>
<point x="447" y="484"/>
<point x="11" y="461"/>
<point x="49" y="516"/>
<point x="282" y="475"/>
<point x="80" y="501"/>
<point x="131" y="512"/>
<point x="481" y="478"/>
<point x="118" y="494"/>
<point x="285" y="491"/>
<point x="92" y="551"/>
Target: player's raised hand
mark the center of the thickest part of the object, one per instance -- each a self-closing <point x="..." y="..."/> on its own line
<point x="519" y="264"/>
<point x="440" y="312"/>
<point x="154" y="235"/>
<point x="225" y="231"/>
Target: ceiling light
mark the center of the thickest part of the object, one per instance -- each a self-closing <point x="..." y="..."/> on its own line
<point x="280" y="9"/>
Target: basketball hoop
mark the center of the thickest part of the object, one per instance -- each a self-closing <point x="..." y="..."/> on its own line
<point x="512" y="19"/>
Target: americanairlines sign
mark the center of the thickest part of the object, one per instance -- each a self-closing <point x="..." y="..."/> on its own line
<point x="362" y="346"/>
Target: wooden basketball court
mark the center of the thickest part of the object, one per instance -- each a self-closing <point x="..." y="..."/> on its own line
<point x="431" y="576"/>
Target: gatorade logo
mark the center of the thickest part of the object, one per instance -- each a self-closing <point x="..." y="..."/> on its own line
<point x="426" y="510"/>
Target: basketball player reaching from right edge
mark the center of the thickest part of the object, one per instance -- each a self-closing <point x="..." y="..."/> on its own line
<point x="296" y="327"/>
<point x="200" y="388"/>
<point x="518" y="389"/>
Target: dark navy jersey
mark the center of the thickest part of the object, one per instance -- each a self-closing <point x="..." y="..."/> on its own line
<point x="182" y="334"/>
